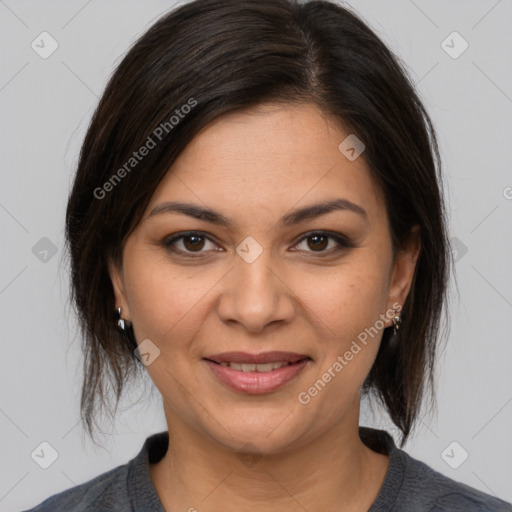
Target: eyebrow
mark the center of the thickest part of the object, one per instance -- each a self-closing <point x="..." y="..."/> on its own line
<point x="294" y="217"/>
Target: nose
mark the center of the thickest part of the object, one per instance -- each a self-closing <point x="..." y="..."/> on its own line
<point x="256" y="294"/>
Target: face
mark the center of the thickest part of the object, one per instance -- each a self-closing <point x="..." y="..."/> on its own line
<point x="264" y="279"/>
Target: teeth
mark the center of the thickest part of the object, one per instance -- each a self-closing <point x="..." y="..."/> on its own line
<point x="267" y="367"/>
<point x="262" y="368"/>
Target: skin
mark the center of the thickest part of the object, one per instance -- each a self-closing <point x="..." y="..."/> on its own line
<point x="254" y="167"/>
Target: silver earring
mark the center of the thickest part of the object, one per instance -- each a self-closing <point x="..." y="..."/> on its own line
<point x="121" y="323"/>
<point x="397" y="321"/>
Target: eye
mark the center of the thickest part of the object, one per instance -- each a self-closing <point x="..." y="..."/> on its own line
<point x="319" y="242"/>
<point x="191" y="242"/>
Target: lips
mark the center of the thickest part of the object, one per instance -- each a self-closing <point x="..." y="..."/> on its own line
<point x="256" y="373"/>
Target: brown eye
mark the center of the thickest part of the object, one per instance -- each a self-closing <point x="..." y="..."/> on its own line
<point x="193" y="242"/>
<point x="188" y="243"/>
<point x="319" y="242"/>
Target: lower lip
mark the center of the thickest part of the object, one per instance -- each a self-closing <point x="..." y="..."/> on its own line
<point x="256" y="383"/>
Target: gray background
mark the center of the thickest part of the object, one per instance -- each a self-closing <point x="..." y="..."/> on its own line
<point x="45" y="106"/>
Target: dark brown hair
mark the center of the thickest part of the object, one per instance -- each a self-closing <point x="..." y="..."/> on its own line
<point x="220" y="56"/>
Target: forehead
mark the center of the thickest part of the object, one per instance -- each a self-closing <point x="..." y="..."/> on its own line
<point x="273" y="157"/>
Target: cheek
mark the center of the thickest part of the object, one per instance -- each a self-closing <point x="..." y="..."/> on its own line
<point x="165" y="300"/>
<point x="159" y="295"/>
<point x="350" y="309"/>
<point x="351" y="297"/>
<point x="347" y="305"/>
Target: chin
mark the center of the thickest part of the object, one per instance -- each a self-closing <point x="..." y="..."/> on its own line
<point x="268" y="434"/>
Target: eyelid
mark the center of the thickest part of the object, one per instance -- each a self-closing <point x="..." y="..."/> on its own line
<point x="342" y="241"/>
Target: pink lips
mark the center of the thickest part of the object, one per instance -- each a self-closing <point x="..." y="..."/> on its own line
<point x="254" y="382"/>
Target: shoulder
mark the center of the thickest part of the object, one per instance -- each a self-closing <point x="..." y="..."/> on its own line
<point x="126" y="487"/>
<point x="424" y="488"/>
<point x="107" y="491"/>
<point x="410" y="484"/>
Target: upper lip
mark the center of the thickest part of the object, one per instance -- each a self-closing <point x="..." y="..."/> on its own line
<point x="262" y="358"/>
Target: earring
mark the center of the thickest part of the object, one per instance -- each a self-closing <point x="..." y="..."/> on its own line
<point x="396" y="322"/>
<point x="121" y="322"/>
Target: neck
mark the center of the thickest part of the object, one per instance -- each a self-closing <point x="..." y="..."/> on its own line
<point x="336" y="471"/>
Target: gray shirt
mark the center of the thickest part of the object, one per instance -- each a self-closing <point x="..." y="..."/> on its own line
<point x="409" y="485"/>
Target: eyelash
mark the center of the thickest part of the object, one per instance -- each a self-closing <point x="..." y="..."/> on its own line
<point x="342" y="241"/>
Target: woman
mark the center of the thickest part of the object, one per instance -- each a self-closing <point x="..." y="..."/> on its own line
<point x="258" y="199"/>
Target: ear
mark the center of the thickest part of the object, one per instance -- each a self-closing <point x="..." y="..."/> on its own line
<point x="116" y="276"/>
<point x="403" y="269"/>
